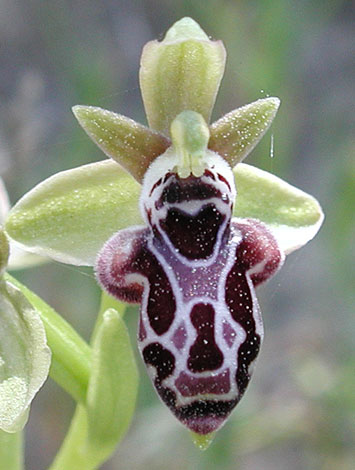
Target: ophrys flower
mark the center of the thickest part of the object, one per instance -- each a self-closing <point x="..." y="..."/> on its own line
<point x="190" y="252"/>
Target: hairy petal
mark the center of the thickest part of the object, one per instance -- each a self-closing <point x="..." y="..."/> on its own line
<point x="293" y="216"/>
<point x="69" y="216"/>
<point x="236" y="134"/>
<point x="132" y="145"/>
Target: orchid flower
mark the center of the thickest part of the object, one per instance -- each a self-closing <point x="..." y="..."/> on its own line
<point x="175" y="222"/>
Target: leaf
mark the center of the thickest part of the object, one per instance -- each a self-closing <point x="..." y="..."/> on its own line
<point x="182" y="72"/>
<point x="24" y="357"/>
<point x="113" y="385"/>
<point x="132" y="145"/>
<point x="71" y="355"/>
<point x="293" y="215"/>
<point x="69" y="216"/>
<point x="236" y="134"/>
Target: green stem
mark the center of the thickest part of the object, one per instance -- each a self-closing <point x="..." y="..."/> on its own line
<point x="71" y="355"/>
<point x="72" y="455"/>
<point x="11" y="451"/>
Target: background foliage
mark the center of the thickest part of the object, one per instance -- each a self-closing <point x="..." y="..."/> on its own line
<point x="54" y="54"/>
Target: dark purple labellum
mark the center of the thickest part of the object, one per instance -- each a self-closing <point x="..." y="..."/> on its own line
<point x="193" y="269"/>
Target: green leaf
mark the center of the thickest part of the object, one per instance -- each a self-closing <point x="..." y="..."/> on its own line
<point x="132" y="145"/>
<point x="182" y="72"/>
<point x="293" y="215"/>
<point x="236" y="134"/>
<point x="69" y="216"/>
<point x="112" y="387"/>
<point x="24" y="357"/>
<point x="71" y="355"/>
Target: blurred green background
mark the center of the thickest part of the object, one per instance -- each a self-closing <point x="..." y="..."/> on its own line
<point x="299" y="410"/>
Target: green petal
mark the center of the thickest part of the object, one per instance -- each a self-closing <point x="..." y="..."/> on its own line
<point x="182" y="72"/>
<point x="112" y="387"/>
<point x="293" y="215"/>
<point x="236" y="134"/>
<point x="24" y="357"/>
<point x="69" y="216"/>
<point x="132" y="145"/>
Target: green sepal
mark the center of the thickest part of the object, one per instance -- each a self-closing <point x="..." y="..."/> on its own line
<point x="69" y="216"/>
<point x="24" y="356"/>
<point x="236" y="134"/>
<point x="182" y="72"/>
<point x="113" y="386"/>
<point x="293" y="216"/>
<point x="132" y="145"/>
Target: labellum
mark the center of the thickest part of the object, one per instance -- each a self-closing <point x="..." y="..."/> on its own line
<point x="193" y="269"/>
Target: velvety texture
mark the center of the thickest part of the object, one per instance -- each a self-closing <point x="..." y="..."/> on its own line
<point x="194" y="269"/>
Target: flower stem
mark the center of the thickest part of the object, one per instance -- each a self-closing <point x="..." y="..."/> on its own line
<point x="11" y="451"/>
<point x="72" y="454"/>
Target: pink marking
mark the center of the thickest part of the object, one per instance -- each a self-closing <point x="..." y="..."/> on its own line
<point x="229" y="334"/>
<point x="190" y="386"/>
<point x="179" y="337"/>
